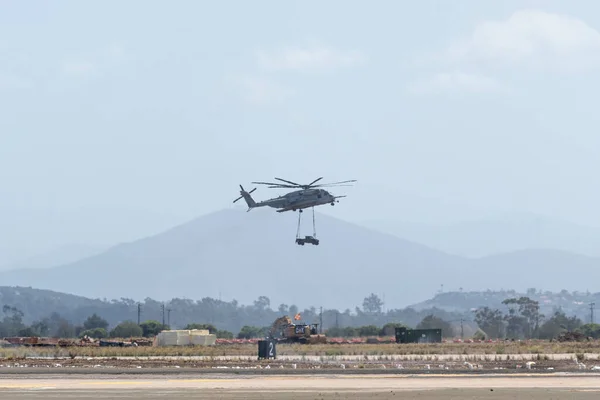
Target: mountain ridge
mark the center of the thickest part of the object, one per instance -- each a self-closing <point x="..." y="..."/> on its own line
<point x="245" y="255"/>
<point x="478" y="238"/>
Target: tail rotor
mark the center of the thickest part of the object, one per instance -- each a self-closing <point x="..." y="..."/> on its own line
<point x="243" y="193"/>
<point x="249" y="200"/>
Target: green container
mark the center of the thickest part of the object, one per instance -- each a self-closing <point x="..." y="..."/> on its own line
<point x="404" y="335"/>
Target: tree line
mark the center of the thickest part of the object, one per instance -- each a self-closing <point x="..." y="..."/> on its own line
<point x="225" y="319"/>
<point x="523" y="320"/>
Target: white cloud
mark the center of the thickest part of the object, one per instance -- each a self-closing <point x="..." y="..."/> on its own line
<point x="309" y="59"/>
<point x="261" y="91"/>
<point x="533" y="39"/>
<point x="527" y="41"/>
<point x="457" y="81"/>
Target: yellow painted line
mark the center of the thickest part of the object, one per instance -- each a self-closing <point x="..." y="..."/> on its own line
<point x="284" y="378"/>
<point x="202" y="380"/>
<point x="22" y="386"/>
<point x="116" y="383"/>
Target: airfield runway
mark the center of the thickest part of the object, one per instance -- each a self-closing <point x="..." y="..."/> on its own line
<point x="430" y="387"/>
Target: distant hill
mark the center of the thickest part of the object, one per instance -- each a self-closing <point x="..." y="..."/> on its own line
<point x="52" y="307"/>
<point x="572" y="303"/>
<point x="242" y="256"/>
<point x="493" y="236"/>
<point x="37" y="304"/>
<point x="59" y="256"/>
<point x="237" y="255"/>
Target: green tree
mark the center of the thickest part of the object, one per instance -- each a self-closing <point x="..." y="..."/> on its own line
<point x="127" y="329"/>
<point x="490" y="321"/>
<point x="262" y="303"/>
<point x="41" y="328"/>
<point x="65" y="329"/>
<point x="342" y="332"/>
<point x="372" y="304"/>
<point x="433" y="322"/>
<point x="28" y="332"/>
<point x="389" y="329"/>
<point x="94" y="321"/>
<point x="96" y="333"/>
<point x="558" y="324"/>
<point x="368" y="330"/>
<point x="590" y="330"/>
<point x="251" y="332"/>
<point x="152" y="328"/>
<point x="283" y="309"/>
<point x="524" y="317"/>
<point x="12" y="322"/>
<point x="223" y="334"/>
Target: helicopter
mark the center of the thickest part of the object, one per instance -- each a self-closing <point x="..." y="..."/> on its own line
<point x="308" y="196"/>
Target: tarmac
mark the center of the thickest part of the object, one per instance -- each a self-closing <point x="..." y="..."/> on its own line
<point x="313" y="386"/>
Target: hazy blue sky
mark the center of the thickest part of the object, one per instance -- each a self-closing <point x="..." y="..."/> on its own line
<point x="118" y="119"/>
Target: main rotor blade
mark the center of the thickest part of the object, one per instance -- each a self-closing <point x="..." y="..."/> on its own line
<point x="237" y="199"/>
<point x="266" y="183"/>
<point x="293" y="183"/>
<point x="282" y="186"/>
<point x="330" y="185"/>
<point x="315" y="181"/>
<point x="336" y="183"/>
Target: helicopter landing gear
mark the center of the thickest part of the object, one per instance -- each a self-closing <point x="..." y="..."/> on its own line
<point x="307" y="239"/>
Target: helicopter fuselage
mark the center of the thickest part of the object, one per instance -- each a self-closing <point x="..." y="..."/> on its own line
<point x="304" y="196"/>
<point x="298" y="200"/>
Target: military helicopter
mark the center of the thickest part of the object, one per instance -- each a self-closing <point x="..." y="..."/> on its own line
<point x="308" y="196"/>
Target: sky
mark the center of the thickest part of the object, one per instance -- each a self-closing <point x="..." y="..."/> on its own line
<point x="121" y="119"/>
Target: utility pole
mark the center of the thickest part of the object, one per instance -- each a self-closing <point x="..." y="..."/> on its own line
<point x="337" y="313"/>
<point x="592" y="304"/>
<point x="462" y="330"/>
<point x="163" y="313"/>
<point x="139" y="312"/>
<point x="321" y="320"/>
<point x="169" y="317"/>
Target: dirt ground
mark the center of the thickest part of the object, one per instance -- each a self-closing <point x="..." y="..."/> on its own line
<point x="23" y="364"/>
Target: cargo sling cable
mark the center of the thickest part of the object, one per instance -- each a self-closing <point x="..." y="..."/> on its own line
<point x="310" y="239"/>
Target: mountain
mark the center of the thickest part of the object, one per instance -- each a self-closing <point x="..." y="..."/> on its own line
<point x="572" y="303"/>
<point x="58" y="256"/>
<point x="549" y="270"/>
<point x="499" y="235"/>
<point x="37" y="304"/>
<point x="241" y="255"/>
<point x="237" y="255"/>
